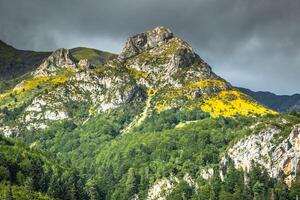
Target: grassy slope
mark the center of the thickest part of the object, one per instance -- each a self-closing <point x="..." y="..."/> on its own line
<point x="96" y="57"/>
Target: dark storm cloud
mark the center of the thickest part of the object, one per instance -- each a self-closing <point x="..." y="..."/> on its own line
<point x="251" y="43"/>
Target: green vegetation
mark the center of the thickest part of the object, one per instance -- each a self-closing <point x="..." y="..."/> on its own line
<point x="15" y="63"/>
<point x="118" y="166"/>
<point x="94" y="56"/>
<point x="31" y="174"/>
<point x="160" y="135"/>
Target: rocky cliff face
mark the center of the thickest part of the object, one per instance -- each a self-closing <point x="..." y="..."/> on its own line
<point x="146" y="41"/>
<point x="58" y="60"/>
<point x="262" y="148"/>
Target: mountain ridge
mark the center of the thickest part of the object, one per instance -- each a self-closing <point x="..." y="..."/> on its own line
<point x="280" y="103"/>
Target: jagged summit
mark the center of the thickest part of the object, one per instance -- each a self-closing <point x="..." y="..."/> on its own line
<point x="145" y="41"/>
<point x="163" y="59"/>
<point x="61" y="58"/>
<point x="181" y="52"/>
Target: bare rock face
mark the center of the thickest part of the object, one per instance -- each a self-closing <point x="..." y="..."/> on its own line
<point x="60" y="58"/>
<point x="84" y="63"/>
<point x="183" y="58"/>
<point x="163" y="59"/>
<point x="276" y="158"/>
<point x="145" y="41"/>
<point x="162" y="188"/>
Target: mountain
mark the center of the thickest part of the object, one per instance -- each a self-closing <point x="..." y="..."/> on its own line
<point x="154" y="68"/>
<point x="14" y="62"/>
<point x="16" y="65"/>
<point x="280" y="103"/>
<point x="154" y="122"/>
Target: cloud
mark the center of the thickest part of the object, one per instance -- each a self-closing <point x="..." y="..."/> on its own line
<point x="251" y="43"/>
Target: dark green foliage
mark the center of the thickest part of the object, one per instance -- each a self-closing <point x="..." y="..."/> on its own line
<point x="171" y="143"/>
<point x="169" y="119"/>
<point x="295" y="190"/>
<point x="295" y="113"/>
<point x="11" y="114"/>
<point x="160" y="154"/>
<point x="30" y="170"/>
<point x="182" y="191"/>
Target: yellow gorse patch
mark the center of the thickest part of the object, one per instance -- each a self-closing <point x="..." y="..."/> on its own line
<point x="34" y="83"/>
<point x="187" y="91"/>
<point x="29" y="84"/>
<point x="231" y="103"/>
<point x="60" y="79"/>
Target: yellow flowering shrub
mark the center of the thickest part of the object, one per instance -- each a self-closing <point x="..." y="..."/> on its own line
<point x="231" y="103"/>
<point x="30" y="84"/>
<point x="60" y="79"/>
<point x="161" y="106"/>
<point x="151" y="92"/>
<point x="187" y="92"/>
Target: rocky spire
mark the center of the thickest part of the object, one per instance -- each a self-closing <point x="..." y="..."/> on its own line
<point x="145" y="41"/>
<point x="61" y="58"/>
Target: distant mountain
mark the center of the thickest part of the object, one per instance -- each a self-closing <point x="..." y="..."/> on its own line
<point x="14" y="62"/>
<point x="280" y="103"/>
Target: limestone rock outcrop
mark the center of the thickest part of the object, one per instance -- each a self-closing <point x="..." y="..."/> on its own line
<point x="263" y="150"/>
<point x="145" y="41"/>
<point x="61" y="58"/>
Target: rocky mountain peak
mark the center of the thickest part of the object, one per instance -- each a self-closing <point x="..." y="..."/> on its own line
<point x="60" y="58"/>
<point x="163" y="59"/>
<point x="145" y="41"/>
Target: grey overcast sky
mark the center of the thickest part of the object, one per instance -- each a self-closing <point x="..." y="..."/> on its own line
<point x="251" y="43"/>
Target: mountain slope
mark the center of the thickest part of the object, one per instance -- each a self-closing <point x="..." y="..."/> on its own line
<point x="14" y="62"/>
<point x="94" y="56"/>
<point x="153" y="64"/>
<point x="153" y="123"/>
<point x="280" y="103"/>
<point x="31" y="174"/>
